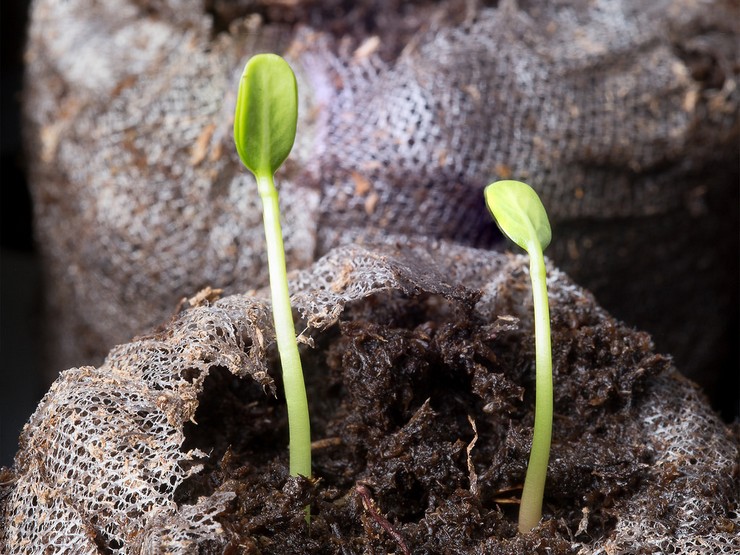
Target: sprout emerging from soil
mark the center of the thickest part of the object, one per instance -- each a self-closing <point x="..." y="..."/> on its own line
<point x="264" y="132"/>
<point x="520" y="215"/>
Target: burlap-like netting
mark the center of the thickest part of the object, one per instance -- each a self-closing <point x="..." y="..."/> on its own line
<point x="623" y="114"/>
<point x="100" y="458"/>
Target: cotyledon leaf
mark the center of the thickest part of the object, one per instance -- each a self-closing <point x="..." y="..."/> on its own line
<point x="519" y="213"/>
<point x="266" y="114"/>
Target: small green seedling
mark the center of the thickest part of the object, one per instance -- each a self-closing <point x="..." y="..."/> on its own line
<point x="520" y="215"/>
<point x="264" y="132"/>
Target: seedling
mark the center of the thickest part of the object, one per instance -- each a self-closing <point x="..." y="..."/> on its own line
<point x="264" y="132"/>
<point x="520" y="215"/>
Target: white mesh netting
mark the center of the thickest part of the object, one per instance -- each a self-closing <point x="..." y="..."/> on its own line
<point x="101" y="458"/>
<point x="698" y="519"/>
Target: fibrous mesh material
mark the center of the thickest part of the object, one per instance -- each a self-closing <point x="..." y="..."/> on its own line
<point x="101" y="458"/>
<point x="695" y="520"/>
<point x="622" y="114"/>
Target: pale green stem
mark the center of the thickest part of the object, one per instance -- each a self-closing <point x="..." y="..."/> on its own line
<point x="295" y="391"/>
<point x="530" y="510"/>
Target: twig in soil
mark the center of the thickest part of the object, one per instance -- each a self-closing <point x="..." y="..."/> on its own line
<point x="583" y="525"/>
<point x="504" y="497"/>
<point x="325" y="443"/>
<point x="471" y="467"/>
<point x="372" y="509"/>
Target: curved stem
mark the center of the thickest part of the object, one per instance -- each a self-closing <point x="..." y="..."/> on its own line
<point x="530" y="510"/>
<point x="295" y="389"/>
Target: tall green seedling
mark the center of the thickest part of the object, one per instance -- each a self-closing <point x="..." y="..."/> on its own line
<point x="264" y="132"/>
<point x="520" y="215"/>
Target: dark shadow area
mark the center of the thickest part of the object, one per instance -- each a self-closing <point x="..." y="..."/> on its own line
<point x="20" y="289"/>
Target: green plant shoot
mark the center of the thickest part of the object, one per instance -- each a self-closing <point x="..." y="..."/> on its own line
<point x="520" y="215"/>
<point x="264" y="131"/>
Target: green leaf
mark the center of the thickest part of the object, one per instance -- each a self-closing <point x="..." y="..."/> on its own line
<point x="519" y="213"/>
<point x="266" y="114"/>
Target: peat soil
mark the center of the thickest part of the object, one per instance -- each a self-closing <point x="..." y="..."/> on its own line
<point x="421" y="425"/>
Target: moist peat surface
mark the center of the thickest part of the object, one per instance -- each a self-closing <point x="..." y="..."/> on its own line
<point x="421" y="425"/>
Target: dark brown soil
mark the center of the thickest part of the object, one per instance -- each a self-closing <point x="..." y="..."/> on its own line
<point x="421" y="422"/>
